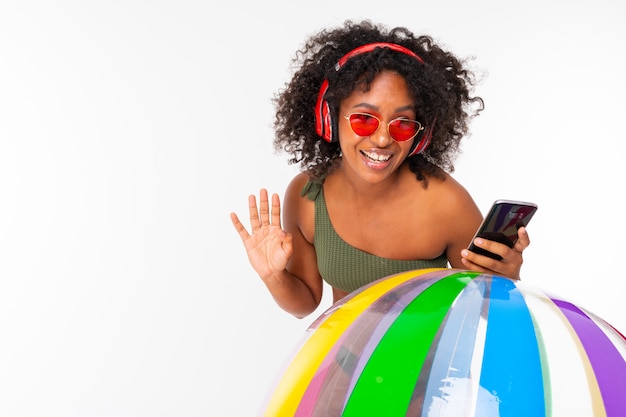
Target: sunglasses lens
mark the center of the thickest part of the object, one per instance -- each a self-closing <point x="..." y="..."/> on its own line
<point x="402" y="130"/>
<point x="363" y="124"/>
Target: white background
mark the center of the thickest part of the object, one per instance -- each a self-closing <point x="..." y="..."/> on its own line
<point x="130" y="129"/>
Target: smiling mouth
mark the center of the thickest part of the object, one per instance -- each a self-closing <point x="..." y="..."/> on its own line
<point x="375" y="157"/>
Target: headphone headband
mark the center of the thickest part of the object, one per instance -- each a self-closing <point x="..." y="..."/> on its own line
<point x="370" y="47"/>
<point x="323" y="121"/>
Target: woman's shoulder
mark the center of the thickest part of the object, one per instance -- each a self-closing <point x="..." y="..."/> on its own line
<point x="449" y="194"/>
<point x="445" y="183"/>
<point x="298" y="184"/>
<point x="299" y="210"/>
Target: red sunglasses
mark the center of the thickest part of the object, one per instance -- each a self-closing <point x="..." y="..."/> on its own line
<point x="400" y="129"/>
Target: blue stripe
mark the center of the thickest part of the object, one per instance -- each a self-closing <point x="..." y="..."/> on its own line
<point x="511" y="372"/>
<point x="451" y="365"/>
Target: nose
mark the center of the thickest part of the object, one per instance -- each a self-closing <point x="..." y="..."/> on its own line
<point x="381" y="137"/>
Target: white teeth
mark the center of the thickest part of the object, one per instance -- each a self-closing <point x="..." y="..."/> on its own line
<point x="376" y="157"/>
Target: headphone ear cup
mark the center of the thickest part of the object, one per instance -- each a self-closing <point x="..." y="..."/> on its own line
<point x="424" y="141"/>
<point x="332" y="125"/>
<point x="327" y="123"/>
<point x="322" y="115"/>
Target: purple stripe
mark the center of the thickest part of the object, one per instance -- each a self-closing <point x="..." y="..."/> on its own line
<point x="607" y="363"/>
<point x="309" y="399"/>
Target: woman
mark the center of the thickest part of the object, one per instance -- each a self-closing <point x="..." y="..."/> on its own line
<point x="375" y="118"/>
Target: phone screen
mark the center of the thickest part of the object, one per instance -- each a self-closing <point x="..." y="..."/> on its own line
<point x="502" y="222"/>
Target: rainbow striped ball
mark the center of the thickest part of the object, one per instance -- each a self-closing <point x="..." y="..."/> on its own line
<point x="454" y="343"/>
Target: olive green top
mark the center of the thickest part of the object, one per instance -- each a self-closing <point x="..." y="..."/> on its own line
<point x="344" y="266"/>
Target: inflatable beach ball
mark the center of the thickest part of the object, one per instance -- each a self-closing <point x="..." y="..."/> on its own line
<point x="446" y="342"/>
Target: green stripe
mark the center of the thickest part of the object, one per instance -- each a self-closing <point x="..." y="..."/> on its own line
<point x="389" y="377"/>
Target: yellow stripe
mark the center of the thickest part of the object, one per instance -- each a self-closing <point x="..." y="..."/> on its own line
<point x="298" y="375"/>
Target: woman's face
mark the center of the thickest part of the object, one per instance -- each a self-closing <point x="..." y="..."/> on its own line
<point x="376" y="157"/>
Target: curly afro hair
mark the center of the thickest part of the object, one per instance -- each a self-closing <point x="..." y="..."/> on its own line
<point x="441" y="87"/>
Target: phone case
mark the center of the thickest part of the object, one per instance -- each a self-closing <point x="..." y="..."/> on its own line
<point x="502" y="222"/>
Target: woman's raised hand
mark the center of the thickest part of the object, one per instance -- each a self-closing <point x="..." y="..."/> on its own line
<point x="268" y="246"/>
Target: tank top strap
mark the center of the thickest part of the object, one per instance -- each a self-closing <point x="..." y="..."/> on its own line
<point x="312" y="189"/>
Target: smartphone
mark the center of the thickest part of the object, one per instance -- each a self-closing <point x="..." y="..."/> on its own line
<point x="502" y="222"/>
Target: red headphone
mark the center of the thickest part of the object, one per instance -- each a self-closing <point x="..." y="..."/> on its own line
<point x="323" y="121"/>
